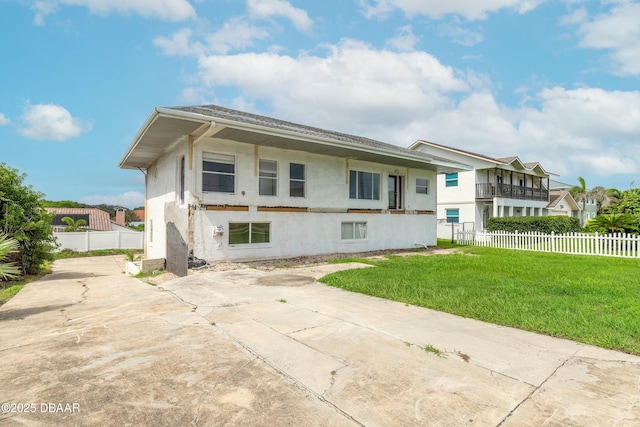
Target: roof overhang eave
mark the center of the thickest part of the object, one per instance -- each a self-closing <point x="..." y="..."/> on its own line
<point x="157" y="146"/>
<point x="367" y="153"/>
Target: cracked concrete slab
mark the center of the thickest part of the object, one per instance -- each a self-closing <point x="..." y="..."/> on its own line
<point x="251" y="347"/>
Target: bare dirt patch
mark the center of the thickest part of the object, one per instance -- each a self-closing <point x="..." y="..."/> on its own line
<point x="296" y="262"/>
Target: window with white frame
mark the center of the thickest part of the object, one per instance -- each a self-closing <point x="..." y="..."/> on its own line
<point x="218" y="173"/>
<point x="268" y="178"/>
<point x="422" y="186"/>
<point x="453" y="215"/>
<point x="296" y="180"/>
<point x="451" y="179"/>
<point x="353" y="230"/>
<point x="247" y="233"/>
<point x="364" y="185"/>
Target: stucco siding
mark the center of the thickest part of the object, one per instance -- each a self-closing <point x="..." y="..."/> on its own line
<point x="297" y="234"/>
<point x="317" y="230"/>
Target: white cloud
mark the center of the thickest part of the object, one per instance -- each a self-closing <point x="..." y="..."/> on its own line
<point x="463" y="36"/>
<point x="237" y="33"/>
<point x="587" y="131"/>
<point x="50" y="122"/>
<point x="42" y="9"/>
<point x="399" y="97"/>
<point x="405" y="40"/>
<point x="265" y="9"/>
<point x="355" y="88"/>
<point x="168" y="10"/>
<point x="616" y="31"/>
<point x="4" y="120"/>
<point x="179" y="44"/>
<point x="130" y="199"/>
<point x="470" y="9"/>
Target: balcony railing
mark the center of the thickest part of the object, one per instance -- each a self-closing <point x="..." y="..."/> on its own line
<point x="489" y="191"/>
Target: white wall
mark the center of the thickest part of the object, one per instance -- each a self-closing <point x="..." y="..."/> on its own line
<point x="297" y="234"/>
<point x="292" y="234"/>
<point x="95" y="240"/>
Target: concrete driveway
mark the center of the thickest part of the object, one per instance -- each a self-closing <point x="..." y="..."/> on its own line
<point x="89" y="346"/>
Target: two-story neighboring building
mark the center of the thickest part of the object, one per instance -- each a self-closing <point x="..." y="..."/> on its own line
<point x="494" y="188"/>
<point x="228" y="185"/>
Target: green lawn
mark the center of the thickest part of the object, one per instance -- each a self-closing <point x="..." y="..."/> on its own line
<point x="594" y="300"/>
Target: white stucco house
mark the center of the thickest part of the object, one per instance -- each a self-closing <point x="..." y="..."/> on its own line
<point x="229" y="185"/>
<point x="589" y="204"/>
<point x="494" y="188"/>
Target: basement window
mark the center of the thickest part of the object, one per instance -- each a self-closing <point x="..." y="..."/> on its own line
<point x="247" y="233"/>
<point x="354" y="230"/>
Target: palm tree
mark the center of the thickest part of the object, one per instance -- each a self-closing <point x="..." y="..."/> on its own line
<point x="613" y="223"/>
<point x="72" y="225"/>
<point x="580" y="195"/>
<point x="604" y="197"/>
<point x="8" y="270"/>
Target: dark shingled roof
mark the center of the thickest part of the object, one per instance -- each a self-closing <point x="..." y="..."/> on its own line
<point x="216" y="111"/>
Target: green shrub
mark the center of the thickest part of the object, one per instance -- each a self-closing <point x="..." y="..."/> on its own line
<point x="541" y="224"/>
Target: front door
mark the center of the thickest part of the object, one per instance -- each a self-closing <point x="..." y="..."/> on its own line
<point x="395" y="192"/>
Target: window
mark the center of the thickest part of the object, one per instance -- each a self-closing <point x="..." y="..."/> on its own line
<point x="296" y="180"/>
<point x="453" y="215"/>
<point x="422" y="186"/>
<point x="364" y="185"/>
<point x="451" y="179"/>
<point x="218" y="173"/>
<point x="242" y="233"/>
<point x="354" y="230"/>
<point x="268" y="178"/>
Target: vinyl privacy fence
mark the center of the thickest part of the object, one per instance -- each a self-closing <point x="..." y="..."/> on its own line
<point x="616" y="245"/>
<point x="95" y="240"/>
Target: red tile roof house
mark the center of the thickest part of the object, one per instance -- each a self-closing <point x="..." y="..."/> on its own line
<point x="96" y="219"/>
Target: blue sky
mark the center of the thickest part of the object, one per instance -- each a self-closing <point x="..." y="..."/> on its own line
<point x="554" y="81"/>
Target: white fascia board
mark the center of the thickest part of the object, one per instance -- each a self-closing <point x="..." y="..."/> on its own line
<point x="296" y="135"/>
<point x="141" y="132"/>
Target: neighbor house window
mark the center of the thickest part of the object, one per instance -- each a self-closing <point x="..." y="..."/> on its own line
<point x="218" y="173"/>
<point x="296" y="180"/>
<point x="451" y="179"/>
<point x="354" y="230"/>
<point x="364" y="185"/>
<point x="453" y="215"/>
<point x="422" y="186"/>
<point x="241" y="233"/>
<point x="268" y="177"/>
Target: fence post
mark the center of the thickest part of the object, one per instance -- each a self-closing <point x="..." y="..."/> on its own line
<point x="87" y="244"/>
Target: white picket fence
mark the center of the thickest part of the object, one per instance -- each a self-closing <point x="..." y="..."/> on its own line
<point x="94" y="240"/>
<point x="616" y="245"/>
